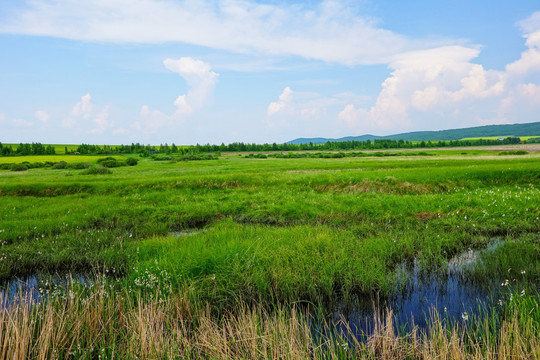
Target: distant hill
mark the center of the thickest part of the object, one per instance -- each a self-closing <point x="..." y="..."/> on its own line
<point x="529" y="129"/>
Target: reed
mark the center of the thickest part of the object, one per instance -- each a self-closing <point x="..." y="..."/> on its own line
<point x="109" y="324"/>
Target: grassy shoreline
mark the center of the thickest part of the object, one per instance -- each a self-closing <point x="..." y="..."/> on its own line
<point x="108" y="324"/>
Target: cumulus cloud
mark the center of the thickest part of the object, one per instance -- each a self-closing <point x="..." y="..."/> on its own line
<point x="281" y="105"/>
<point x="85" y="114"/>
<point x="305" y="109"/>
<point x="101" y="122"/>
<point x="441" y="82"/>
<point x="84" y="107"/>
<point x="445" y="83"/>
<point x="304" y="105"/>
<point x="199" y="77"/>
<point x="201" y="81"/>
<point x="42" y="116"/>
<point x="530" y="59"/>
<point x="329" y="30"/>
<point x="530" y="92"/>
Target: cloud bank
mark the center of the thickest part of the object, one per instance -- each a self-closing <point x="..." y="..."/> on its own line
<point x="332" y="30"/>
<point x="445" y="83"/>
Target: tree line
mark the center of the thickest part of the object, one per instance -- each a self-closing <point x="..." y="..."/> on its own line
<point x="146" y="150"/>
<point x="27" y="149"/>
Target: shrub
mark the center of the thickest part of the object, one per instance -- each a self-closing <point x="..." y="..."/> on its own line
<point x="112" y="163"/>
<point x="6" y="166"/>
<point x="96" y="170"/>
<point x="132" y="161"/>
<point x="60" y="165"/>
<point x="518" y="152"/>
<point x="108" y="158"/>
<point x="19" y="167"/>
<point x="256" y="156"/>
<point x="78" y="166"/>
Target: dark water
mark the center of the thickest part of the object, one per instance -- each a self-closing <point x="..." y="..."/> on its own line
<point x="449" y="292"/>
<point x="36" y="288"/>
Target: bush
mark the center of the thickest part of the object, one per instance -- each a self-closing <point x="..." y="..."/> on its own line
<point x="256" y="156"/>
<point x="132" y="161"/>
<point x="108" y="158"/>
<point x="78" y="166"/>
<point x="37" y="165"/>
<point x="112" y="163"/>
<point x="19" y="167"/>
<point x="518" y="152"/>
<point x="60" y="165"/>
<point x="96" y="170"/>
<point x="6" y="166"/>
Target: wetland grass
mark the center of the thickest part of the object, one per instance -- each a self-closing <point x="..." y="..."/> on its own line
<point x="278" y="233"/>
<point x="106" y="324"/>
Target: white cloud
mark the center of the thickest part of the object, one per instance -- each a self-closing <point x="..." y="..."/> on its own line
<point x="530" y="92"/>
<point x="307" y="112"/>
<point x="201" y="81"/>
<point x="22" y="123"/>
<point x="2" y="117"/>
<point x="86" y="115"/>
<point x="101" y="122"/>
<point x="330" y="30"/>
<point x="84" y="107"/>
<point x="284" y="101"/>
<point x="42" y="116"/>
<point x="292" y="105"/>
<point x="435" y="80"/>
<point x="530" y="59"/>
<point x="522" y="101"/>
<point x="199" y="77"/>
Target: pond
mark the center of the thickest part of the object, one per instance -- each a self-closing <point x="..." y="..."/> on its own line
<point x="36" y="288"/>
<point x="449" y="292"/>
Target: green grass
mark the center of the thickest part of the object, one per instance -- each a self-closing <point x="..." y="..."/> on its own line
<point x="52" y="158"/>
<point x="280" y="220"/>
<point x="523" y="138"/>
<point x="272" y="233"/>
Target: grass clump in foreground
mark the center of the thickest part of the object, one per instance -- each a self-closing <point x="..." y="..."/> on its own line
<point x="102" y="322"/>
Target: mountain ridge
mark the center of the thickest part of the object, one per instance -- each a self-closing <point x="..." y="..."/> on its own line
<point x="525" y="129"/>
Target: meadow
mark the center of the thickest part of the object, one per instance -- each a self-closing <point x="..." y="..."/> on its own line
<point x="249" y="258"/>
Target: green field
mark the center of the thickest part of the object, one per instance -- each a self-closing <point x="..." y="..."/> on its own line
<point x="194" y="256"/>
<point x="52" y="158"/>
<point x="523" y="138"/>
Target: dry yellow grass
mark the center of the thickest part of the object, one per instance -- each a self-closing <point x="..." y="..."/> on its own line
<point x="106" y="325"/>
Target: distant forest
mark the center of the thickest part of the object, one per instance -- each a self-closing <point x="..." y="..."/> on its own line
<point x="147" y="150"/>
<point x="27" y="149"/>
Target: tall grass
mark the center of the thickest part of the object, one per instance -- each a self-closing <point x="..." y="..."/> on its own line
<point x="107" y="324"/>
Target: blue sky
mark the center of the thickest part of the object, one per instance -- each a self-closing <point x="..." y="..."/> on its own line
<point x="212" y="71"/>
